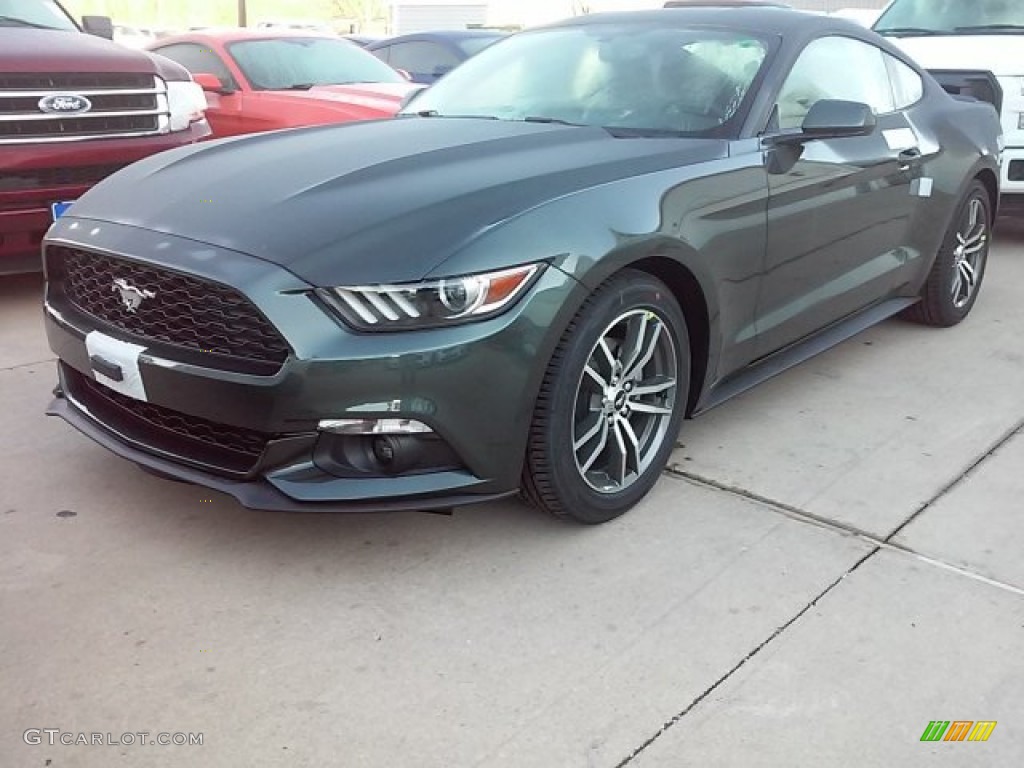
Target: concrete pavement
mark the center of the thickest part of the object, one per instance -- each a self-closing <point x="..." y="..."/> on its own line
<point x="832" y="562"/>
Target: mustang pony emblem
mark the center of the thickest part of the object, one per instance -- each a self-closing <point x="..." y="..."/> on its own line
<point x="131" y="297"/>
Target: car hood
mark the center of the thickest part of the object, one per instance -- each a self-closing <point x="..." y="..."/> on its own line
<point x="46" y="50"/>
<point x="385" y="98"/>
<point x="999" y="54"/>
<point x="381" y="201"/>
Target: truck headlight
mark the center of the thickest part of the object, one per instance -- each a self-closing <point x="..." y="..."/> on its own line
<point x="186" y="103"/>
<point x="429" y="304"/>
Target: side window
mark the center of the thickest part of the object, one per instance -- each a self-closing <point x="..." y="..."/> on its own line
<point x="907" y="85"/>
<point x="196" y="59"/>
<point x="835" y="68"/>
<point x="421" y="57"/>
<point x="383" y="53"/>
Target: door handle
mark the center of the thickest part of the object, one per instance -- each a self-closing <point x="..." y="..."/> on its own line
<point x="908" y="157"/>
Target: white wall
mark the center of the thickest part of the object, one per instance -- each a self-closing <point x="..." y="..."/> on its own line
<point x="409" y="17"/>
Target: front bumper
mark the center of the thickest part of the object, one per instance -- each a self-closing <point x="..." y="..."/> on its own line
<point x="473" y="385"/>
<point x="254" y="494"/>
<point x="1012" y="186"/>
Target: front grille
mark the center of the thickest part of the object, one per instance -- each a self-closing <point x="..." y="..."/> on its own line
<point x="61" y="81"/>
<point x="184" y="312"/>
<point x="121" y="105"/>
<point x="195" y="440"/>
<point x="114" y="102"/>
<point x="78" y="126"/>
<point x="47" y="178"/>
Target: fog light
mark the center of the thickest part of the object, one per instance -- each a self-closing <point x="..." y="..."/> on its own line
<point x="374" y="427"/>
<point x="383" y="450"/>
<point x="396" y="454"/>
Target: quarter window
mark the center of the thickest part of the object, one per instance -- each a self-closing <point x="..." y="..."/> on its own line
<point x="835" y="68"/>
<point x="907" y="85"/>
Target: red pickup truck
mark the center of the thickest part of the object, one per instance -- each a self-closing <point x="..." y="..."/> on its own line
<point x="74" y="108"/>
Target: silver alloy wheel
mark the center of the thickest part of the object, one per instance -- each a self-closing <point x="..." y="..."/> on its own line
<point x="624" y="401"/>
<point x="969" y="255"/>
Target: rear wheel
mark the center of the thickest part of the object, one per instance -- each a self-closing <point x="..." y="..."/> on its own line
<point x="955" y="280"/>
<point x="611" y="402"/>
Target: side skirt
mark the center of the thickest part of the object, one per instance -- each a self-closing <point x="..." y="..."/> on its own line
<point x="793" y="355"/>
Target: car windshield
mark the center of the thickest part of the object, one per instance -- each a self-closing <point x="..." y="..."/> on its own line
<point x="640" y="78"/>
<point x="42" y="14"/>
<point x="297" y="63"/>
<point x="951" y="17"/>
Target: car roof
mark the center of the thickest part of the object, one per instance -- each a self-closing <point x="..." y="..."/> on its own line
<point x="235" y="34"/>
<point x="443" y="35"/>
<point x="726" y="3"/>
<point x="765" y="18"/>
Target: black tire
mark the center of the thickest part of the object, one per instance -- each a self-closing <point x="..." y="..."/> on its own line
<point x="945" y="298"/>
<point x="632" y="313"/>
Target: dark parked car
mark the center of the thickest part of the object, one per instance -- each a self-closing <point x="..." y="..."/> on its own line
<point x="574" y="241"/>
<point x="429" y="56"/>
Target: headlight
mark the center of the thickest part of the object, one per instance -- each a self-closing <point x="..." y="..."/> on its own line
<point x="429" y="304"/>
<point x="186" y="102"/>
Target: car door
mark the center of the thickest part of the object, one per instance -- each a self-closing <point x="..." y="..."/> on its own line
<point x="839" y="209"/>
<point x="225" y="111"/>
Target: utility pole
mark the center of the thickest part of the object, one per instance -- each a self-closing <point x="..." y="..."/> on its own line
<point x="241" y="14"/>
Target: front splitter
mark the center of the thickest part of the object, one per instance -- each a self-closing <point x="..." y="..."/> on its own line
<point x="255" y="494"/>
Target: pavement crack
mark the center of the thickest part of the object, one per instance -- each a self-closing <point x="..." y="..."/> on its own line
<point x="887" y="543"/>
<point x="27" y="365"/>
<point x="1002" y="441"/>
<point x="786" y="509"/>
<point x="669" y="724"/>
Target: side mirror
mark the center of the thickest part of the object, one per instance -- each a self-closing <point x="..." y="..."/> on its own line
<point x="212" y="83"/>
<point x="834" y="119"/>
<point x="101" y="26"/>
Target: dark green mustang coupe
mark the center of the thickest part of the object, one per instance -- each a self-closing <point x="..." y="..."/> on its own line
<point x="528" y="279"/>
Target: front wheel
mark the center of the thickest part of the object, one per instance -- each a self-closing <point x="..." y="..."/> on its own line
<point x="611" y="402"/>
<point x="955" y="280"/>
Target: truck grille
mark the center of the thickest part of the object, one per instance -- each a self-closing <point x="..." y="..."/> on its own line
<point x="119" y="105"/>
<point x="979" y="85"/>
<point x="47" y="178"/>
<point x="233" y="450"/>
<point x="220" y="326"/>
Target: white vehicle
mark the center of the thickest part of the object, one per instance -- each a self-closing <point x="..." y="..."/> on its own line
<point x="863" y="16"/>
<point x="958" y="39"/>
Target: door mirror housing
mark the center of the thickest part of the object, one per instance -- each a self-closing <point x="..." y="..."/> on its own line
<point x="835" y="119"/>
<point x="101" y="26"/>
<point x="830" y="119"/>
<point x="212" y="83"/>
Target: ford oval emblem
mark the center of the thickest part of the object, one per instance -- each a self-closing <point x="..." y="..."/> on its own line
<point x="65" y="104"/>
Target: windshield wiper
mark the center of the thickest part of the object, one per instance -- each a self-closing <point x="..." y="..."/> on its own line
<point x="990" y="28"/>
<point x="621" y="132"/>
<point x="14" y="21"/>
<point x="908" y="32"/>
<point x="435" y="113"/>
<point x="298" y="87"/>
<point x="549" y="121"/>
